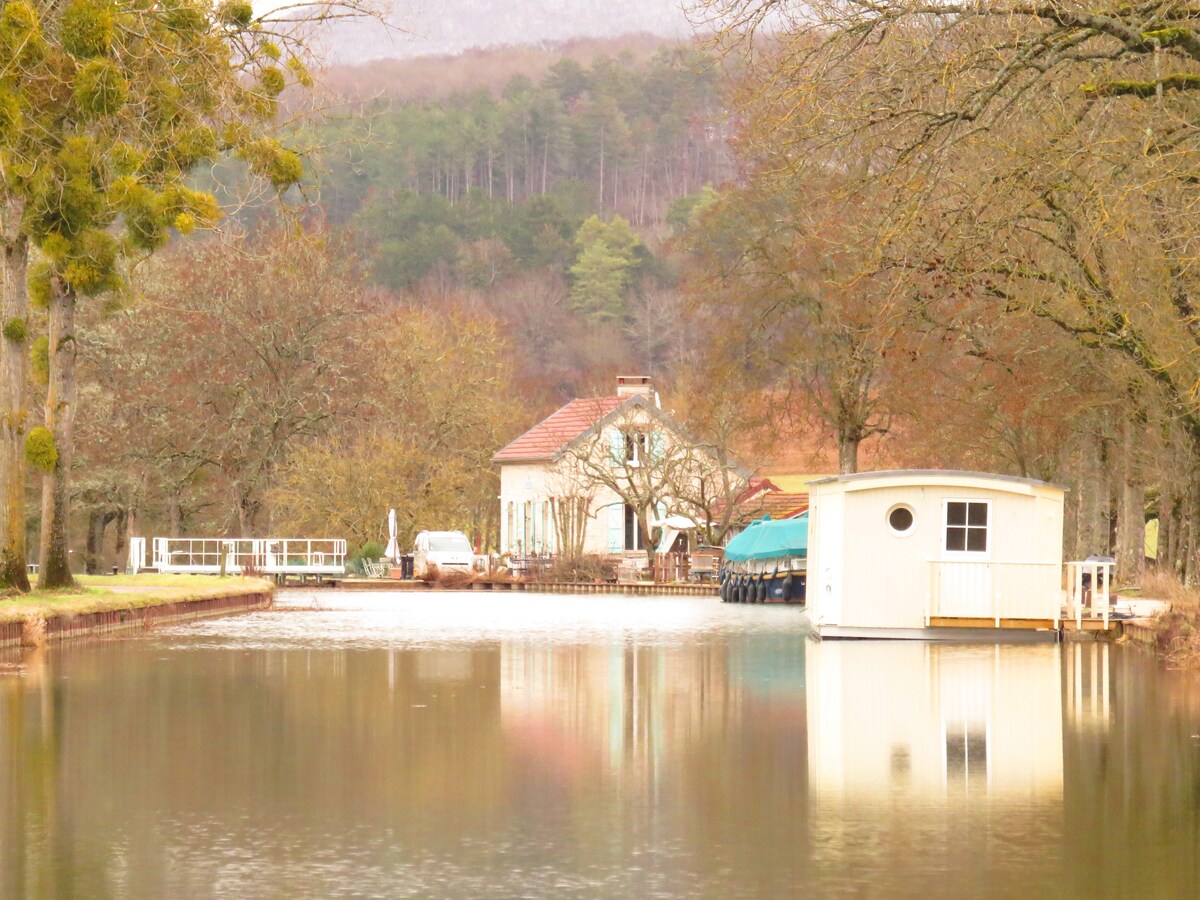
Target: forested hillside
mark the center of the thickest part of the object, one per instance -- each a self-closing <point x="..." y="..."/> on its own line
<point x="523" y="231"/>
<point x="547" y="204"/>
<point x="613" y="137"/>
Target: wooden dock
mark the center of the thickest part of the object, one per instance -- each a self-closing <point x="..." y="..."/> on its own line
<point x="644" y="589"/>
<point x="1091" y="628"/>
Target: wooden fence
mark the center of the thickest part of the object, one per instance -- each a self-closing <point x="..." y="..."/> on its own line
<point x="672" y="567"/>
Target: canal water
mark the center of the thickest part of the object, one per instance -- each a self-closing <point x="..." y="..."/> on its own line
<point x="520" y="745"/>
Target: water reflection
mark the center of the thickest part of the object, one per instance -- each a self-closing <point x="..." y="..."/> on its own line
<point x="932" y="722"/>
<point x="524" y="746"/>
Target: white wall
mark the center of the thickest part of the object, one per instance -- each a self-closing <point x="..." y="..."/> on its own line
<point x="526" y="523"/>
<point x="863" y="574"/>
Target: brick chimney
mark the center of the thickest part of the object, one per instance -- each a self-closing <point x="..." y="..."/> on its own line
<point x="634" y="385"/>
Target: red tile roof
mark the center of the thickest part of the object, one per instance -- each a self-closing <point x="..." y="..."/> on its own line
<point x="780" y="505"/>
<point x="559" y="428"/>
<point x="762" y="497"/>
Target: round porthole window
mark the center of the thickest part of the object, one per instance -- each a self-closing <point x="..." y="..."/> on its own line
<point x="900" y="519"/>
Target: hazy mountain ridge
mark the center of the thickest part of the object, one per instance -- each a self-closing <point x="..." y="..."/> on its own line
<point x="438" y="27"/>
<point x="431" y="78"/>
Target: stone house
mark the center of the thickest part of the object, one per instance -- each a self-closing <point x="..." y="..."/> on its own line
<point x="602" y="475"/>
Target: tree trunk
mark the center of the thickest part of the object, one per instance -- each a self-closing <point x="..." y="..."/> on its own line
<point x="54" y="565"/>
<point x="1093" y="494"/>
<point x="1166" y="528"/>
<point x="848" y="454"/>
<point x="121" y="533"/>
<point x="175" y="511"/>
<point x="247" y="511"/>
<point x="95" y="540"/>
<point x="131" y="528"/>
<point x="14" y="571"/>
<point x="1131" y="522"/>
<point x="1187" y="540"/>
<point x="602" y="190"/>
<point x="651" y="549"/>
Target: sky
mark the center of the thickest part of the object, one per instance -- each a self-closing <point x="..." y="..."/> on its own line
<point x="437" y="27"/>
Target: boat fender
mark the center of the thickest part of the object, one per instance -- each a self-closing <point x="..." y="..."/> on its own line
<point x="762" y="588"/>
<point x="785" y="590"/>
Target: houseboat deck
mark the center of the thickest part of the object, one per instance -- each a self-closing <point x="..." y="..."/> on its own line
<point x="965" y="628"/>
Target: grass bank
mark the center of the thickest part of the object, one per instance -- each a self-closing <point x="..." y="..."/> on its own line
<point x="105" y="593"/>
<point x="1176" y="631"/>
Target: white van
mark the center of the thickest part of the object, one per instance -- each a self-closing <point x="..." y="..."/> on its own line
<point x="447" y="551"/>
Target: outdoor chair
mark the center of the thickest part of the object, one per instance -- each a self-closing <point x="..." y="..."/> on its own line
<point x="703" y="567"/>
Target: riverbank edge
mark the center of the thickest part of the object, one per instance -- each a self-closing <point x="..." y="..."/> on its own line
<point x="35" y="630"/>
<point x="638" y="589"/>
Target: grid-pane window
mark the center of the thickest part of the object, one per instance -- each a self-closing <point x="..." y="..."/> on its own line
<point x="967" y="526"/>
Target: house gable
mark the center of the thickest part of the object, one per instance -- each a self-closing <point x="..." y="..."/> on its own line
<point x="624" y="413"/>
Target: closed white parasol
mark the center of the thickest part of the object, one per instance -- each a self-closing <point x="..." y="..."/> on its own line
<point x="393" y="547"/>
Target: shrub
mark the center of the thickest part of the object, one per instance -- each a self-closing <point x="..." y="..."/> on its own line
<point x="586" y="569"/>
<point x="371" y="550"/>
<point x="452" y="578"/>
<point x="1176" y="631"/>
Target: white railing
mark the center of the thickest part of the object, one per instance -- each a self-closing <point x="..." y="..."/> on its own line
<point x="1089" y="589"/>
<point x="137" y="555"/>
<point x="994" y="590"/>
<point x="233" y="556"/>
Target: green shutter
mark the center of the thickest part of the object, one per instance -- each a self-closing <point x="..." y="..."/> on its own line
<point x="656" y="446"/>
<point x="616" y="528"/>
<point x="616" y="448"/>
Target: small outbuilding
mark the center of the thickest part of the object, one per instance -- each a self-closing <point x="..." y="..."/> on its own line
<point x="934" y="555"/>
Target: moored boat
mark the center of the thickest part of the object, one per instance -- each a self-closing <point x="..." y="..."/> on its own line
<point x="767" y="563"/>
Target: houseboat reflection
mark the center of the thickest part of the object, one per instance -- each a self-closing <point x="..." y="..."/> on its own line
<point x="934" y="720"/>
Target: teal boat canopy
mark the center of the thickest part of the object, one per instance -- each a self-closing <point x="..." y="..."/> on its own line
<point x="770" y="539"/>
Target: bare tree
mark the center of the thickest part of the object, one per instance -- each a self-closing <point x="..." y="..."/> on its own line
<point x="646" y="461"/>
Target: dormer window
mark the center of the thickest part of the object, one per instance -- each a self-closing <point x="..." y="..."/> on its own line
<point x="637" y="445"/>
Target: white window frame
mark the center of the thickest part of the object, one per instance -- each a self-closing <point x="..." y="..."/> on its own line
<point x="637" y="444"/>
<point x="966" y="554"/>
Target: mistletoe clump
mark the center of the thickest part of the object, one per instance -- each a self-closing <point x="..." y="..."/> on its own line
<point x="41" y="451"/>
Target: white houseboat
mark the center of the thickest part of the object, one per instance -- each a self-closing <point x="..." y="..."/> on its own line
<point x="935" y="555"/>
